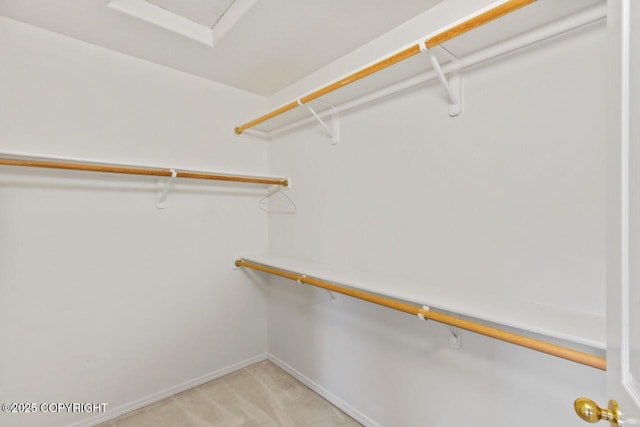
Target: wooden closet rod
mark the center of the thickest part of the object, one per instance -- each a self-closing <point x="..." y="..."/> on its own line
<point x="544" y="347"/>
<point x="477" y="21"/>
<point x="140" y="171"/>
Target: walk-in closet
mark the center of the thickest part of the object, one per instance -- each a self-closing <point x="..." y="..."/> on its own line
<point x="319" y="213"/>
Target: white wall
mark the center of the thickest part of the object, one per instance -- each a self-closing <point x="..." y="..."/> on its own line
<point x="507" y="200"/>
<point x="103" y="297"/>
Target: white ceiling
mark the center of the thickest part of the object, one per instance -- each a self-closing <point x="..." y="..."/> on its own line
<point x="203" y="12"/>
<point x="274" y="44"/>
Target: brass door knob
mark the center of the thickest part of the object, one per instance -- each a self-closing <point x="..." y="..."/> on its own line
<point x="592" y="413"/>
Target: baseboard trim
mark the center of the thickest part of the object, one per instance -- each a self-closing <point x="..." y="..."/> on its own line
<point x="326" y="394"/>
<point x="155" y="397"/>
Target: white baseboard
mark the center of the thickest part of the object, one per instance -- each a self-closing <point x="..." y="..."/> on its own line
<point x="152" y="398"/>
<point x="327" y="395"/>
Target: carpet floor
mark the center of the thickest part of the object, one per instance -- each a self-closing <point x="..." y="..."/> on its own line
<point x="261" y="395"/>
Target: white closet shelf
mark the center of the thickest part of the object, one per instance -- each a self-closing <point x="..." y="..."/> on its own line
<point x="532" y="23"/>
<point x="564" y="324"/>
<point x="74" y="164"/>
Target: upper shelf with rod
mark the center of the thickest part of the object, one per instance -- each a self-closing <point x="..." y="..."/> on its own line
<point x="386" y="76"/>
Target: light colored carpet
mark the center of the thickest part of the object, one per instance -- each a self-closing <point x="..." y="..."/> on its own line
<point x="261" y="395"/>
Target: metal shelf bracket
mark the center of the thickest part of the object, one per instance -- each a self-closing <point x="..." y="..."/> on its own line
<point x="163" y="189"/>
<point x="334" y="129"/>
<point x="455" y="340"/>
<point x="425" y="308"/>
<point x="452" y="86"/>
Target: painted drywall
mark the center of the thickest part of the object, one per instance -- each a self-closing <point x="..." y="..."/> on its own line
<point x="506" y="200"/>
<point x="104" y="297"/>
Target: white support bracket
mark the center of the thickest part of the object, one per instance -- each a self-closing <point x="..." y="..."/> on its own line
<point x="425" y="308"/>
<point x="455" y="340"/>
<point x="453" y="86"/>
<point x="334" y="129"/>
<point x="163" y="189"/>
